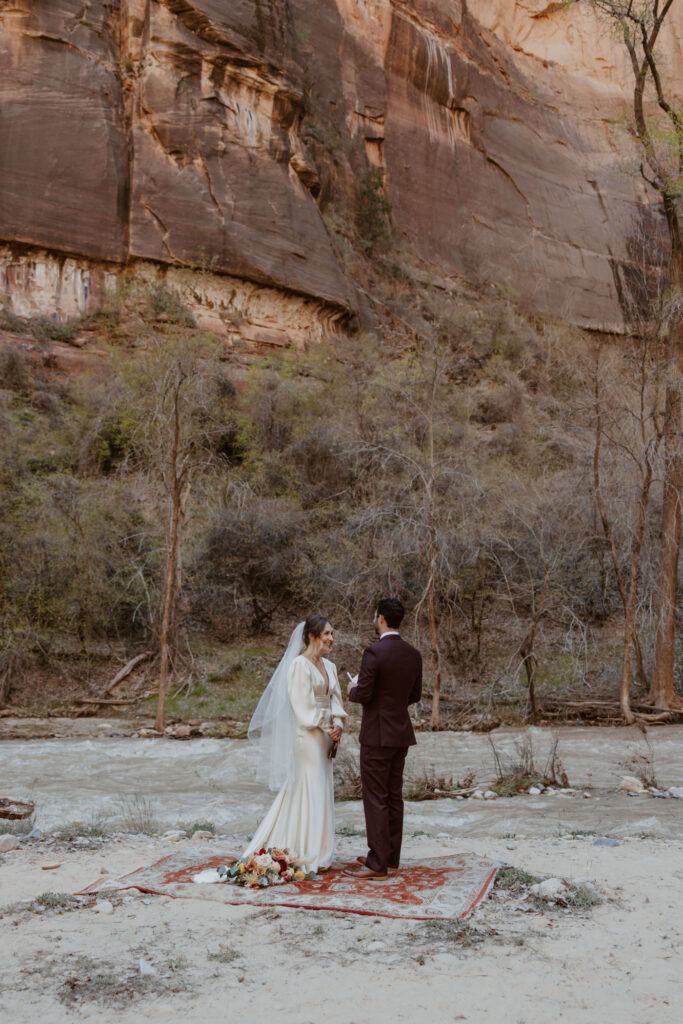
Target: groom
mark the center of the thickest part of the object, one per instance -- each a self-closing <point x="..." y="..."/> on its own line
<point x="390" y="679"/>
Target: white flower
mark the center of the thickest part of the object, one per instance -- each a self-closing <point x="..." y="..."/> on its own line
<point x="264" y="861"/>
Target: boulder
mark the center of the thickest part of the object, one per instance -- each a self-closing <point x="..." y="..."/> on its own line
<point x="16" y="809"/>
<point x="629" y="784"/>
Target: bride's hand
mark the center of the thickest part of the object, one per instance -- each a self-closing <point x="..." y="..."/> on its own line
<point x="335" y="733"/>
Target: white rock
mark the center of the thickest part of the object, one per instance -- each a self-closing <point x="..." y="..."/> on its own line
<point x="8" y="842"/>
<point x="375" y="946"/>
<point x="549" y="889"/>
<point x="174" y="836"/>
<point x="202" y="833"/>
<point x="104" y="907"/>
<point x="629" y="784"/>
<point x="477" y="795"/>
<point x="146" y="969"/>
<point x="534" y="791"/>
<point x="490" y="795"/>
<point x="676" y="791"/>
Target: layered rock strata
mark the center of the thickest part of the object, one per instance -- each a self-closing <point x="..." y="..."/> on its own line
<point x="200" y="133"/>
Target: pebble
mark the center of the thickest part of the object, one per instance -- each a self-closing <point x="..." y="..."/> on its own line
<point x="146" y="969"/>
<point x="174" y="836"/>
<point x="202" y="833"/>
<point x="534" y="791"/>
<point x="104" y="907"/>
<point x="8" y="842"/>
<point x="676" y="791"/>
<point x="35" y="833"/>
<point x="477" y="795"/>
<point x="490" y="795"/>
<point x="606" y="841"/>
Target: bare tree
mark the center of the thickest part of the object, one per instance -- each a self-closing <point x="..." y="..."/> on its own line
<point x="420" y="437"/>
<point x="660" y="138"/>
<point x="639" y="440"/>
<point x="173" y="387"/>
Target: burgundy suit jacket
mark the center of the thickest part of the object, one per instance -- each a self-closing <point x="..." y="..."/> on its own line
<point x="390" y="679"/>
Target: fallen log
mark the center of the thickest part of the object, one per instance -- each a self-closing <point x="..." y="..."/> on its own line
<point x="14" y="810"/>
<point x="105" y="700"/>
<point x="125" y="671"/>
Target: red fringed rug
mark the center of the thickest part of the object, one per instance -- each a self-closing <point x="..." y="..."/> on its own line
<point x="446" y="888"/>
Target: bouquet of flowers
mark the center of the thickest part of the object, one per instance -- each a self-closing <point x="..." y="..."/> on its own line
<point x="267" y="867"/>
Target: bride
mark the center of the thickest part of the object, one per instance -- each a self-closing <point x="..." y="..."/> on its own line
<point x="297" y="726"/>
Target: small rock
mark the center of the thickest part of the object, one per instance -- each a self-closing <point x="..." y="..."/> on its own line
<point x="442" y="835"/>
<point x="182" y="732"/>
<point x="146" y="969"/>
<point x="549" y="889"/>
<point x="676" y="791"/>
<point x="8" y="842"/>
<point x="375" y="946"/>
<point x="534" y="791"/>
<point x="104" y="907"/>
<point x="35" y="833"/>
<point x="477" y="795"/>
<point x="149" y="733"/>
<point x="490" y="795"/>
<point x="202" y="833"/>
<point x="606" y="841"/>
<point x="174" y="836"/>
<point x="587" y="796"/>
<point x="629" y="784"/>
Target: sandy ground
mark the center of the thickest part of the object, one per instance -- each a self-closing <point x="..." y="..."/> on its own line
<point x="616" y="962"/>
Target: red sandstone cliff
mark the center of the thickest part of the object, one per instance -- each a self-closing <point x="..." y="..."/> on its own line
<point x="209" y="133"/>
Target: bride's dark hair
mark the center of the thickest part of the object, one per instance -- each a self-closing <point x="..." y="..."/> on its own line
<point x="313" y="626"/>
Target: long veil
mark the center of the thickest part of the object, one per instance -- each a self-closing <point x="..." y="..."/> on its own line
<point x="272" y="724"/>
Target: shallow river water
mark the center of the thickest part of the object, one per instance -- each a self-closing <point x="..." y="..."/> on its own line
<point x="119" y="781"/>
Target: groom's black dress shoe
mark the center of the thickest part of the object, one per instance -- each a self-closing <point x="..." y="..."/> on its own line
<point x="392" y="869"/>
<point x="366" y="874"/>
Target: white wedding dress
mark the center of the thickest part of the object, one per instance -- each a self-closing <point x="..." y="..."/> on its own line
<point x="301" y="818"/>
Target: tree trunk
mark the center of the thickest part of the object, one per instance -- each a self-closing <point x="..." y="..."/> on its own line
<point x="662" y="690"/>
<point x="175" y="485"/>
<point x="625" y="688"/>
<point x="436" y="663"/>
<point x="530" y="667"/>
<point x="169" y="590"/>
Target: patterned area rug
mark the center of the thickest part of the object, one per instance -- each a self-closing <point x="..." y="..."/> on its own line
<point x="444" y="887"/>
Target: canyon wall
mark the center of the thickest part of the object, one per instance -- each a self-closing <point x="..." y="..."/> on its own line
<point x="213" y="134"/>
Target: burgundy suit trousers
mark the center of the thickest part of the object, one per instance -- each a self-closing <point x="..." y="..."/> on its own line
<point x="381" y="771"/>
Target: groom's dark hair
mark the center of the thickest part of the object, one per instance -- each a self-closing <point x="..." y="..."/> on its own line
<point x="392" y="610"/>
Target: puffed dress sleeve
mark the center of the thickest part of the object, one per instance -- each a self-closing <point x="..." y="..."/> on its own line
<point x="307" y="713"/>
<point x="337" y="708"/>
